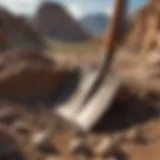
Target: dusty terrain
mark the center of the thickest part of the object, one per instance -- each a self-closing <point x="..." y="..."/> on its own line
<point x="30" y="80"/>
<point x="130" y="130"/>
<point x="41" y="135"/>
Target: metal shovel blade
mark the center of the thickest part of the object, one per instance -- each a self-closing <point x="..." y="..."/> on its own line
<point x="71" y="108"/>
<point x="86" y="116"/>
<point x="99" y="103"/>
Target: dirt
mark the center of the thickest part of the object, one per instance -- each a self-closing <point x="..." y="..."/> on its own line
<point x="32" y="131"/>
<point x="129" y="131"/>
<point x="40" y="134"/>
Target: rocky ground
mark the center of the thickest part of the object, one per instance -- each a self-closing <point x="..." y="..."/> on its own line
<point x="128" y="131"/>
<point x="36" y="133"/>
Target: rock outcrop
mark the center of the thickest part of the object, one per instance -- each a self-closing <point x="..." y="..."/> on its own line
<point x="54" y="21"/>
<point x="144" y="32"/>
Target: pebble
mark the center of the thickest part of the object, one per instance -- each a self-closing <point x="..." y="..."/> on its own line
<point x="79" y="148"/>
<point x="22" y="128"/>
<point x="131" y="135"/>
<point x="43" y="143"/>
<point x="104" y="146"/>
<point x="8" y="116"/>
<point x="39" y="137"/>
<point x="75" y="144"/>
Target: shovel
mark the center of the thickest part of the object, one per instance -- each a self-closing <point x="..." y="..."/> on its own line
<point x="96" y="90"/>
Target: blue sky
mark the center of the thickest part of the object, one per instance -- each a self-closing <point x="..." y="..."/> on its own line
<point x="78" y="8"/>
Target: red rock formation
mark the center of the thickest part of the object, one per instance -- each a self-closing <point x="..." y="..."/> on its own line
<point x="52" y="20"/>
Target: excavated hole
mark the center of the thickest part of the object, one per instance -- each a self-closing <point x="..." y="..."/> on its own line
<point x="123" y="114"/>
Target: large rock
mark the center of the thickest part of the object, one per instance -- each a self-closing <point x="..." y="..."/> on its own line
<point x="54" y="21"/>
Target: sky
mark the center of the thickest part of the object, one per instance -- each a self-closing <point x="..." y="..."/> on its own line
<point x="78" y="8"/>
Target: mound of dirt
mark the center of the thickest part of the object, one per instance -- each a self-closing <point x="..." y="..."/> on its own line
<point x="54" y="21"/>
<point x="29" y="77"/>
<point x="18" y="32"/>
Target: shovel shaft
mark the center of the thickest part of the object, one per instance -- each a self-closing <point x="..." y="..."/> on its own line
<point x="115" y="34"/>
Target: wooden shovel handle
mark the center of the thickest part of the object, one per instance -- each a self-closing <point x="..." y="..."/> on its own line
<point x="110" y="48"/>
<point x="116" y="31"/>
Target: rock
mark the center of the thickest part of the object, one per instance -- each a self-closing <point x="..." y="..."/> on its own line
<point x="40" y="137"/>
<point x="9" y="149"/>
<point x="80" y="149"/>
<point x="104" y="146"/>
<point x="131" y="135"/>
<point x="53" y="21"/>
<point x="43" y="143"/>
<point x="75" y="144"/>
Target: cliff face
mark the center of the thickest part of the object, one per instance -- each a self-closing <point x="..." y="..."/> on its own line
<point x="144" y="32"/>
<point x="18" y="32"/>
<point x="53" y="21"/>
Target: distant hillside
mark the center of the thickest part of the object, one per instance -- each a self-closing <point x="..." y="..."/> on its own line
<point x="18" y="31"/>
<point x="95" y="24"/>
<point x="54" y="21"/>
